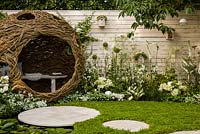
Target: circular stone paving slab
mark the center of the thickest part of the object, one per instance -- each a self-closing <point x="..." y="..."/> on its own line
<point x="57" y="116"/>
<point x="129" y="125"/>
<point x="187" y="132"/>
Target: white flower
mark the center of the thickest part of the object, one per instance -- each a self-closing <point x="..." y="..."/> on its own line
<point x="130" y="98"/>
<point x="84" y="98"/>
<point x="175" y="92"/>
<point x="162" y="86"/>
<point x="179" y="83"/>
<point x="4" y="79"/>
<point x="4" y="88"/>
<point x="100" y="86"/>
<point x="183" y="88"/>
<point x="118" y="96"/>
<point x="108" y="93"/>
<point x="19" y="103"/>
<point x="168" y="88"/>
<point x="30" y="106"/>
<point x="30" y="95"/>
<point x="41" y="103"/>
<point x="103" y="83"/>
<point x="169" y="83"/>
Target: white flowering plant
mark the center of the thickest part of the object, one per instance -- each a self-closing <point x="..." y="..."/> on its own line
<point x="136" y="89"/>
<point x="134" y="93"/>
<point x="89" y="77"/>
<point x="11" y="103"/>
<point x="193" y="99"/>
<point x="175" y="88"/>
<point x="103" y="84"/>
<point x="92" y="96"/>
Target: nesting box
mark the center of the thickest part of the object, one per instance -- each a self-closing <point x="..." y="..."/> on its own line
<point x="42" y="52"/>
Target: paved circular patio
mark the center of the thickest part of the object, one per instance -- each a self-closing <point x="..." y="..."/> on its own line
<point x="129" y="125"/>
<point x="187" y="132"/>
<point x="57" y="116"/>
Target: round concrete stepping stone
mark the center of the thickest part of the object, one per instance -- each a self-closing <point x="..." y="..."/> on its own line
<point x="57" y="116"/>
<point x="187" y="132"/>
<point x="129" y="125"/>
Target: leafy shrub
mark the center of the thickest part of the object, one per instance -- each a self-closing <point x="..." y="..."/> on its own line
<point x="12" y="103"/>
<point x="103" y="84"/>
<point x="193" y="99"/>
<point x="90" y="76"/>
<point x="12" y="126"/>
<point x="175" y="88"/>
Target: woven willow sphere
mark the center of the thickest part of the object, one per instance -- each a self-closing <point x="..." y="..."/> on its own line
<point x="41" y="43"/>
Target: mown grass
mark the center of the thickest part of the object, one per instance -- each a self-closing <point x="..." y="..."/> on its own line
<point x="163" y="117"/>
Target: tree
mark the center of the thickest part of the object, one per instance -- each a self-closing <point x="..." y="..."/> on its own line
<point x="27" y="4"/>
<point x="85" y="4"/>
<point x="149" y="13"/>
<point x="58" y="4"/>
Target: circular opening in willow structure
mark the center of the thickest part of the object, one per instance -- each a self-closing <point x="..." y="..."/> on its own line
<point x="26" y="16"/>
<point x="43" y="58"/>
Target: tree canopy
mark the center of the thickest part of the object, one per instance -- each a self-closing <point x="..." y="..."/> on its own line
<point x="58" y="4"/>
<point x="149" y="13"/>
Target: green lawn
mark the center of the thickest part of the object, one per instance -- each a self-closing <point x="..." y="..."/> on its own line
<point x="163" y="117"/>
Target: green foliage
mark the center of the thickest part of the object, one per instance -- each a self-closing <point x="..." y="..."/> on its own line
<point x="134" y="81"/>
<point x="72" y="4"/>
<point x="193" y="99"/>
<point x="58" y="4"/>
<point x="12" y="103"/>
<point x="89" y="96"/>
<point x="192" y="73"/>
<point x="2" y="15"/>
<point x="12" y="126"/>
<point x="150" y="13"/>
<point x="119" y="71"/>
<point x="28" y="4"/>
<point x="151" y="86"/>
<point x="90" y="76"/>
<point x="134" y="93"/>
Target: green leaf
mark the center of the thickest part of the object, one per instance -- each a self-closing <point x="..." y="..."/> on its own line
<point x="134" y="25"/>
<point x="61" y="130"/>
<point x="7" y="125"/>
<point x="3" y="132"/>
<point x="129" y="35"/>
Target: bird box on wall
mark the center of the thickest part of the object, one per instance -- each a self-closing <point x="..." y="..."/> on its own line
<point x="101" y="20"/>
<point x="170" y="36"/>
